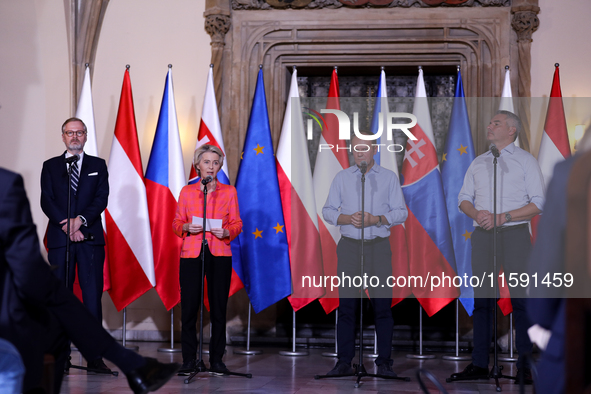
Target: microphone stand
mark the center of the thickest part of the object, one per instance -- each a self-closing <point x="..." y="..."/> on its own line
<point x="200" y="367"/>
<point x="68" y="362"/>
<point x="359" y="369"/>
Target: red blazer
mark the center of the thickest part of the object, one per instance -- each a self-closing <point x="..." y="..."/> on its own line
<point x="222" y="203"/>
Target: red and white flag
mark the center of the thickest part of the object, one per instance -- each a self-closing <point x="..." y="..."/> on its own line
<point x="328" y="164"/>
<point x="555" y="146"/>
<point x="131" y="263"/>
<point x="298" y="202"/>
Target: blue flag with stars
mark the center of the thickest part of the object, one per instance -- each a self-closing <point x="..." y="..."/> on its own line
<point x="260" y="255"/>
<point x="457" y="156"/>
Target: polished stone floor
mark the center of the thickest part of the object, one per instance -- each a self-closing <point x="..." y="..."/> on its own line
<point x="274" y="373"/>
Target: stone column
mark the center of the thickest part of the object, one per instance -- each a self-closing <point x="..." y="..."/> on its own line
<point x="217" y="24"/>
<point x="525" y="22"/>
<point x="85" y="22"/>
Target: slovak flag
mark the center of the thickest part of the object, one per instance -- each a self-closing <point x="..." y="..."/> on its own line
<point x="299" y="207"/>
<point x="387" y="159"/>
<point x="430" y="247"/>
<point x="165" y="177"/>
<point x="210" y="130"/>
<point x="131" y="262"/>
<point x="328" y="164"/>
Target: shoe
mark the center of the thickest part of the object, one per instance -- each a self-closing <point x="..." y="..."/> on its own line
<point x="341" y="368"/>
<point x="471" y="372"/>
<point x="218" y="368"/>
<point x="151" y="376"/>
<point x="99" y="366"/>
<point x="386" y="370"/>
<point x="68" y="365"/>
<point x="525" y="375"/>
<point x="188" y="368"/>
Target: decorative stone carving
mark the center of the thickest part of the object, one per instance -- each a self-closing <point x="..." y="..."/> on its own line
<point x="317" y="4"/>
<point x="525" y="23"/>
<point x="217" y="26"/>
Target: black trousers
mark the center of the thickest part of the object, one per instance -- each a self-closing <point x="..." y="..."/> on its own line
<point x="513" y="249"/>
<point x="377" y="263"/>
<point x="218" y="271"/>
<point x="90" y="260"/>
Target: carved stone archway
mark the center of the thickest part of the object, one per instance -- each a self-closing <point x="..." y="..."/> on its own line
<point x="482" y="36"/>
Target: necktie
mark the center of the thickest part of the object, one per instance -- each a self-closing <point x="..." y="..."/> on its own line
<point x="75" y="177"/>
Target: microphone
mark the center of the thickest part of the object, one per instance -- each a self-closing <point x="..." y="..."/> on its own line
<point x="363" y="167"/>
<point x="494" y="150"/>
<point x="207" y="179"/>
<point x="71" y="159"/>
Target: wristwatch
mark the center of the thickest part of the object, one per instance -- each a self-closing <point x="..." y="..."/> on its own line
<point x="507" y="217"/>
<point x="379" y="223"/>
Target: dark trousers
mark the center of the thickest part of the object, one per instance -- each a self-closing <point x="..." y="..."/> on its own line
<point x="513" y="249"/>
<point x="66" y="319"/>
<point x="377" y="262"/>
<point x="218" y="271"/>
<point x="90" y="260"/>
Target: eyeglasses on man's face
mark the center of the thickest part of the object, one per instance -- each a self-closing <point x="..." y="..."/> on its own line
<point x="78" y="133"/>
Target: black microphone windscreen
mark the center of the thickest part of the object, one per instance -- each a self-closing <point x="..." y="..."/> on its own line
<point x="494" y="150"/>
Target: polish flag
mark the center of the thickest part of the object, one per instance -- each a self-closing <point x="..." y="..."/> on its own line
<point x="328" y="164"/>
<point x="298" y="202"/>
<point x="131" y="263"/>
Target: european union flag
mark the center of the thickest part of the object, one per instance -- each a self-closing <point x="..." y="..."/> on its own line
<point x="457" y="156"/>
<point x="260" y="254"/>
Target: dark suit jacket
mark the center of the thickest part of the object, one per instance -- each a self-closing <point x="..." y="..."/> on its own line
<point x="33" y="302"/>
<point x="545" y="306"/>
<point x="90" y="200"/>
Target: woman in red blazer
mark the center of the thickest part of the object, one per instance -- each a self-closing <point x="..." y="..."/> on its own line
<point x="222" y="204"/>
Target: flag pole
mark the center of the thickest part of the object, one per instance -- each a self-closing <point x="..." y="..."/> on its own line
<point x="457" y="357"/>
<point x="293" y="351"/>
<point x="336" y="344"/>
<point x="511" y="357"/>
<point x="248" y="351"/>
<point x="124" y="334"/>
<point x="420" y="356"/>
<point x="170" y="349"/>
<point x="375" y="346"/>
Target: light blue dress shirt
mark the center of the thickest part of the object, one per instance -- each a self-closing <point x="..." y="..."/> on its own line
<point x="519" y="182"/>
<point x="383" y="196"/>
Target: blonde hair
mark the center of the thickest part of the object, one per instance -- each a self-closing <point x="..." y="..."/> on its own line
<point x="199" y="154"/>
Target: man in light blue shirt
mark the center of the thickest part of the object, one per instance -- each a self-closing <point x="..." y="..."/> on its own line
<point x="520" y="196"/>
<point x="384" y="208"/>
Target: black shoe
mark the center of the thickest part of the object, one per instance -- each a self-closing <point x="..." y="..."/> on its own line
<point x="471" y="372"/>
<point x="386" y="370"/>
<point x="188" y="368"/>
<point x="218" y="368"/>
<point x="151" y="376"/>
<point x="341" y="369"/>
<point x="525" y="375"/>
<point x="99" y="366"/>
<point x="68" y="365"/>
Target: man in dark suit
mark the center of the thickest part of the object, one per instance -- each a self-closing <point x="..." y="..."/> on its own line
<point x="89" y="194"/>
<point x="39" y="315"/>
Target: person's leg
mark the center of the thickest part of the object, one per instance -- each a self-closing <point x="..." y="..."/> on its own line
<point x="483" y="297"/>
<point x="379" y="266"/>
<point x="190" y="281"/>
<point x="347" y="268"/>
<point x="219" y="275"/>
<point x="90" y="276"/>
<point x="57" y="260"/>
<point x="517" y="250"/>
